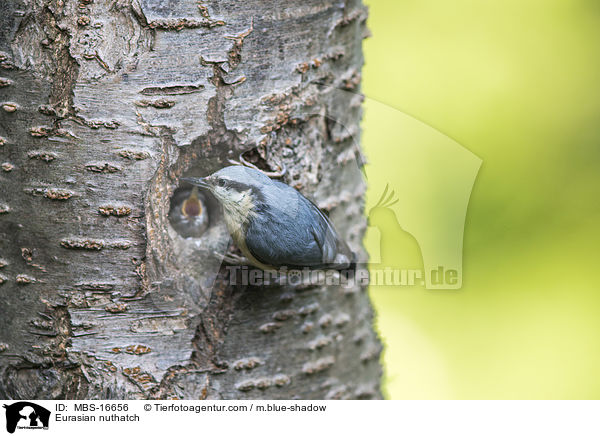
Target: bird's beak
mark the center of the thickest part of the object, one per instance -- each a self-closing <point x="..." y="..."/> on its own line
<point x="197" y="181"/>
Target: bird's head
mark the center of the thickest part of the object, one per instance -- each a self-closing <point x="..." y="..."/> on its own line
<point x="236" y="187"/>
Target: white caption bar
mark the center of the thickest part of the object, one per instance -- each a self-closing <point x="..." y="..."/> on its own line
<point x="462" y="418"/>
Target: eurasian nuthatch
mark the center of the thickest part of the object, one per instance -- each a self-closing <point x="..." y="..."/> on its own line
<point x="273" y="224"/>
<point x="187" y="214"/>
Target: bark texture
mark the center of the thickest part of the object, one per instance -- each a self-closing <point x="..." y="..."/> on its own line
<point x="105" y="104"/>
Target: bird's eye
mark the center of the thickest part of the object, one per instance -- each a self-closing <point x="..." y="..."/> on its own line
<point x="221" y="182"/>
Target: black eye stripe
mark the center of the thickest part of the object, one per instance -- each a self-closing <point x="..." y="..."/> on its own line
<point x="238" y="186"/>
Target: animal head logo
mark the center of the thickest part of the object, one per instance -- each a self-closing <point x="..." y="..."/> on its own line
<point x="24" y="414"/>
<point x="382" y="210"/>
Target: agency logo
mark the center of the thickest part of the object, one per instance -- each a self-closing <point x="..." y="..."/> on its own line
<point x="26" y="415"/>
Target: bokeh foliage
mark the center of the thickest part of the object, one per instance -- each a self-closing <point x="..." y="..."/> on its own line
<point x="518" y="84"/>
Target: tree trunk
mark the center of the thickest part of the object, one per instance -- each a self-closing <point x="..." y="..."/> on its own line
<point x="105" y="104"/>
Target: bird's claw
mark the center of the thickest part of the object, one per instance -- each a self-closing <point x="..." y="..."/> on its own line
<point x="231" y="259"/>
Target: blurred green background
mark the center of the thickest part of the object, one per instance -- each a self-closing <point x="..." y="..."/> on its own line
<point x="518" y="84"/>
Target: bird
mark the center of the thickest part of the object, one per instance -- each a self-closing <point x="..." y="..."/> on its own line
<point x="273" y="224"/>
<point x="187" y="214"/>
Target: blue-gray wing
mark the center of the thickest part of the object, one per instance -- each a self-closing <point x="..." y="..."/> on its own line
<point x="296" y="234"/>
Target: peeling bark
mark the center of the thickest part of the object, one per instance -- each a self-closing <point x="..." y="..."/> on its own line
<point x="105" y="105"/>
